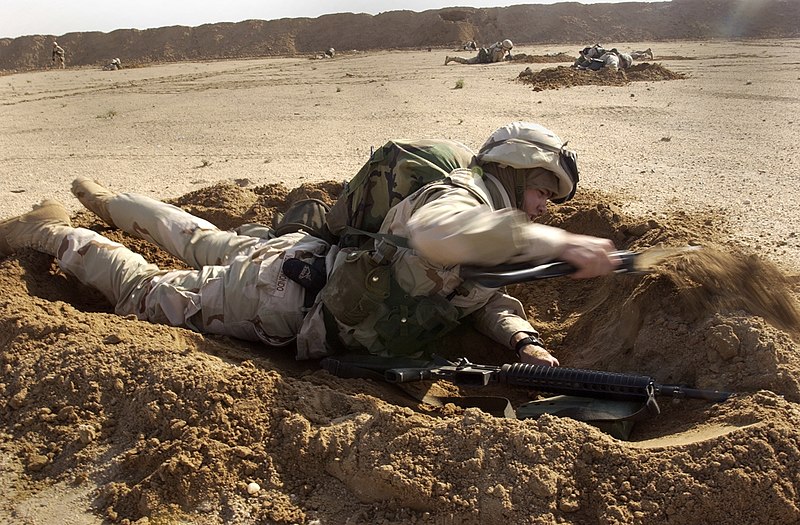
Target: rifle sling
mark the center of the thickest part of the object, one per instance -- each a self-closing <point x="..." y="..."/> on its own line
<point x="590" y="409"/>
<point x="493" y="405"/>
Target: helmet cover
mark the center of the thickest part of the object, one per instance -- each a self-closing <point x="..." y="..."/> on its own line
<point x="524" y="145"/>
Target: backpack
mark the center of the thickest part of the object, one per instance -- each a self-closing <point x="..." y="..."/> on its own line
<point x="393" y="172"/>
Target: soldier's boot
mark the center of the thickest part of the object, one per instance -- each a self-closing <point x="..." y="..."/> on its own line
<point x="42" y="229"/>
<point x="447" y="60"/>
<point x="94" y="197"/>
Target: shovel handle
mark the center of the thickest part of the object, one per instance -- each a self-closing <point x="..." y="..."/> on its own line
<point x="503" y="275"/>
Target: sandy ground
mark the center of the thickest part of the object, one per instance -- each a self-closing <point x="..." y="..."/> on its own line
<point x="126" y="421"/>
<point x="725" y="140"/>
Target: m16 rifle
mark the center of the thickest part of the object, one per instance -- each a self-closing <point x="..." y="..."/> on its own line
<point x="556" y="380"/>
<point x="623" y="397"/>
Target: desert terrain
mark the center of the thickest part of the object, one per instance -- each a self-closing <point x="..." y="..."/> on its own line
<point x="106" y="419"/>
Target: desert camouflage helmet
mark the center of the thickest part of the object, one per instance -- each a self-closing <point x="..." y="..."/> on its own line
<point x="525" y="145"/>
<point x="507" y="44"/>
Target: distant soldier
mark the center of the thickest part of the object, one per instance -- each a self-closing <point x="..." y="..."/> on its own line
<point x="595" y="58"/>
<point x="471" y="46"/>
<point x="330" y="52"/>
<point x="494" y="53"/>
<point x="114" y="65"/>
<point x="638" y="55"/>
<point x="589" y="56"/>
<point x="616" y="60"/>
<point x="58" y="54"/>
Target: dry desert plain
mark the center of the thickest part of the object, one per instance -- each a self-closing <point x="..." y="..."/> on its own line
<point x="113" y="419"/>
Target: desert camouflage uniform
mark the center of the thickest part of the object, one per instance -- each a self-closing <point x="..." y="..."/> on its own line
<point x="596" y="58"/>
<point x="494" y="53"/>
<point x="237" y="288"/>
<point x="616" y="60"/>
<point x="587" y="55"/>
<point x="58" y="55"/>
<point x="638" y="55"/>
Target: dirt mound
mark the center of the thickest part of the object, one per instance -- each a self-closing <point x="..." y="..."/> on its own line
<point x="542" y="59"/>
<point x="565" y="76"/>
<point x="164" y="424"/>
<point x="675" y="57"/>
<point x="654" y="72"/>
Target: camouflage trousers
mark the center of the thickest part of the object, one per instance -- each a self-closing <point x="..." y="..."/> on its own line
<point x="461" y="60"/>
<point x="237" y="286"/>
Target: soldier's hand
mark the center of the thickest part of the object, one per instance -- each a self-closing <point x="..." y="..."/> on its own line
<point x="592" y="256"/>
<point x="536" y="355"/>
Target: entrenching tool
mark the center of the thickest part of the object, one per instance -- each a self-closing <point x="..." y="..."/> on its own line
<point x="503" y="275"/>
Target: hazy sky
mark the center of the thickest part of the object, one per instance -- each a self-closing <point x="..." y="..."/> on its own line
<point x="56" y="17"/>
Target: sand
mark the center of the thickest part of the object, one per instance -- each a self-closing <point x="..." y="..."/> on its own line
<point x="110" y="418"/>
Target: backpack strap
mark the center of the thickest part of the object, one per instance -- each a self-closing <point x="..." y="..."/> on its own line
<point x="397" y="240"/>
<point x="464" y="178"/>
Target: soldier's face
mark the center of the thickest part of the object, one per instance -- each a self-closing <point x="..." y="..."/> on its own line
<point x="535" y="202"/>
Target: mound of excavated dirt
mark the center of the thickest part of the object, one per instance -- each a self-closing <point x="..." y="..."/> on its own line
<point x="542" y="59"/>
<point x="565" y="76"/>
<point x="654" y="72"/>
<point x="164" y="424"/>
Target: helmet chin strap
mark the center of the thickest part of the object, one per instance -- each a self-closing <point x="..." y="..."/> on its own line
<point x="519" y="190"/>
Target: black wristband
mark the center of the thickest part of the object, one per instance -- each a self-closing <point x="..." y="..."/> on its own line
<point x="530" y="340"/>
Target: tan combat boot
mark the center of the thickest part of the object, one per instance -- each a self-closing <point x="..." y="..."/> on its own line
<point x="93" y="196"/>
<point x="37" y="229"/>
<point x="446" y="60"/>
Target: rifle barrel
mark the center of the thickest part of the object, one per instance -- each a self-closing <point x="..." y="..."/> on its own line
<point x="716" y="396"/>
<point x="577" y="382"/>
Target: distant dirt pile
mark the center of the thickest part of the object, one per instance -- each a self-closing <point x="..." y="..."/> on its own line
<point x="645" y="71"/>
<point x="565" y="76"/>
<point x="542" y="59"/>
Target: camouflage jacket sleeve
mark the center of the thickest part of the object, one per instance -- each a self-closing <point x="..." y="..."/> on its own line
<point x="501" y="318"/>
<point x="454" y="228"/>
